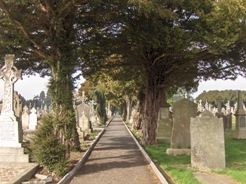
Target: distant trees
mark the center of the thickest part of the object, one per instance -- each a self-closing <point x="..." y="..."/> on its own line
<point x="224" y="96"/>
<point x="38" y="101"/>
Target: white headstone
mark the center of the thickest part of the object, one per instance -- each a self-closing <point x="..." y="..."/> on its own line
<point x="33" y="119"/>
<point x="25" y="118"/>
<point x="84" y="123"/>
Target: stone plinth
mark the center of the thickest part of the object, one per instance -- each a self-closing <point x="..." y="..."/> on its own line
<point x="9" y="131"/>
<point x="13" y="155"/>
<point x="207" y="142"/>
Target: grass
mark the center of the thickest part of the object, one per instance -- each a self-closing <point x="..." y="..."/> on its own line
<point x="235" y="158"/>
<point x="178" y="167"/>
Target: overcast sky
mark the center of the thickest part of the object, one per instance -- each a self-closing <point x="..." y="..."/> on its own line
<point x="28" y="87"/>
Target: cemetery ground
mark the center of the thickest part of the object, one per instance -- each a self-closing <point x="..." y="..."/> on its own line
<point x="179" y="167"/>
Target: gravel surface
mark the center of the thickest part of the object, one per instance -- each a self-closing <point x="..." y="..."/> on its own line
<point x="116" y="159"/>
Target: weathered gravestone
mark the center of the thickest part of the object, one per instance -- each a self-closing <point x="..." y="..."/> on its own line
<point x="240" y="119"/>
<point x="10" y="128"/>
<point x="84" y="123"/>
<point x="17" y="104"/>
<point x="207" y="142"/>
<point x="164" y="124"/>
<point x="183" y="110"/>
<point x="33" y="119"/>
<point x="25" y="118"/>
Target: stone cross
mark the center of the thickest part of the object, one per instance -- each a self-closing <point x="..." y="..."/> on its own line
<point x="10" y="75"/>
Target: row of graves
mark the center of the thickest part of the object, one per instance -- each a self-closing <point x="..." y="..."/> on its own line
<point x="86" y="116"/>
<point x="198" y="130"/>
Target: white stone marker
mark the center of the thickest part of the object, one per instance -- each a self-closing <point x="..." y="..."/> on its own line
<point x="33" y="119"/>
<point x="9" y="127"/>
<point x="207" y="142"/>
<point x="25" y="118"/>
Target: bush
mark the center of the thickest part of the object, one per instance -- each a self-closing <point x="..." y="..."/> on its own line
<point x="46" y="148"/>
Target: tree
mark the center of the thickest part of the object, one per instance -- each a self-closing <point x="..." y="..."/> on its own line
<point x="175" y="44"/>
<point x="45" y="39"/>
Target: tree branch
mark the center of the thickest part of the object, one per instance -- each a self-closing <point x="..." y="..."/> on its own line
<point x="36" y="48"/>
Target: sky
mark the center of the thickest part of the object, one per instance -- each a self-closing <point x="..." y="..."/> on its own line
<point x="28" y="87"/>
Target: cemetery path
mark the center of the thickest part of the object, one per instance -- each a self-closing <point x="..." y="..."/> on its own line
<point x="116" y="159"/>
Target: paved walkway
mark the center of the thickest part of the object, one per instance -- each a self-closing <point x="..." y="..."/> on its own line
<point x="116" y="159"/>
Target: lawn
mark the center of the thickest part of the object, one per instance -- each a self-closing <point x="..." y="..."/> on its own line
<point x="178" y="167"/>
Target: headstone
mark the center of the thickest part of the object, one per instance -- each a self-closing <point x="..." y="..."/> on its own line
<point x="227" y="120"/>
<point x="17" y="104"/>
<point x="206" y="105"/>
<point x="183" y="110"/>
<point x="200" y="106"/>
<point x="10" y="128"/>
<point x="207" y="142"/>
<point x="33" y="119"/>
<point x="84" y="123"/>
<point x="25" y="118"/>
<point x="240" y="119"/>
<point x="133" y="114"/>
<point x="164" y="125"/>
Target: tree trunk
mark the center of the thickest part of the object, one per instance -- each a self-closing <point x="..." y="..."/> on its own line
<point x="128" y="108"/>
<point x="137" y="124"/>
<point x="61" y="86"/>
<point x="124" y="111"/>
<point x="152" y="100"/>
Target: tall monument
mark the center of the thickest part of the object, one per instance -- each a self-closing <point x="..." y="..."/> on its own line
<point x="10" y="128"/>
<point x="240" y="119"/>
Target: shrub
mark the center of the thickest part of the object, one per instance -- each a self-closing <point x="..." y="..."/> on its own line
<point x="46" y="148"/>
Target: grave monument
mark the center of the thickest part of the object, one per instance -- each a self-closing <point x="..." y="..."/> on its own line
<point x="10" y="128"/>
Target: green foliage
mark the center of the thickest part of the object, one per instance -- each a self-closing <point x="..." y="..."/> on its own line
<point x="235" y="158"/>
<point x="46" y="148"/>
<point x="214" y="95"/>
<point x="101" y="106"/>
<point x="38" y="101"/>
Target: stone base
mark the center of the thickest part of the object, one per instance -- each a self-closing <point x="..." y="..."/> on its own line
<point x="9" y="131"/>
<point x="14" y="155"/>
<point x="17" y="172"/>
<point x="240" y="134"/>
<point x="163" y="139"/>
<point x="175" y="151"/>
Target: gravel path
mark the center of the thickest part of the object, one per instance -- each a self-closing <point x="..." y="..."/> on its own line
<point x="115" y="160"/>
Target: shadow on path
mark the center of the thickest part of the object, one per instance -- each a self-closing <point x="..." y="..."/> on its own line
<point x="116" y="159"/>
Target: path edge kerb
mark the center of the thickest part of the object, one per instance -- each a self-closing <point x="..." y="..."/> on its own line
<point x="69" y="176"/>
<point x="147" y="157"/>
